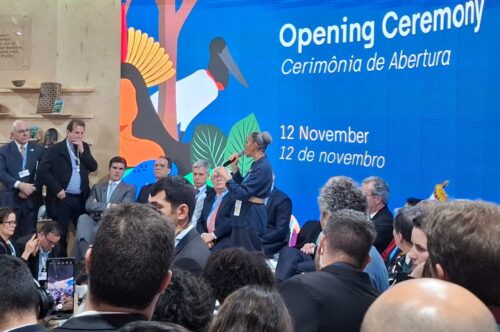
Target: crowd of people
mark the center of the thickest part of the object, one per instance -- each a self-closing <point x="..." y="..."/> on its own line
<point x="192" y="257"/>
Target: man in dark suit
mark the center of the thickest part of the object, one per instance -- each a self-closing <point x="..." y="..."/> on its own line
<point x="102" y="196"/>
<point x="162" y="168"/>
<point x="18" y="162"/>
<point x="64" y="169"/>
<point x="214" y="224"/>
<point x="47" y="247"/>
<point x="129" y="268"/>
<point x="175" y="198"/>
<point x="376" y="191"/>
<point x="201" y="171"/>
<point x="279" y="213"/>
<point x="337" y="295"/>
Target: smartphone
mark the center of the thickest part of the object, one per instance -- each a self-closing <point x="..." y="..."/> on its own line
<point x="61" y="285"/>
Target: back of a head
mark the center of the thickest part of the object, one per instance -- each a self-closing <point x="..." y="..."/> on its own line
<point x="463" y="238"/>
<point x="341" y="192"/>
<point x="150" y="326"/>
<point x="403" y="222"/>
<point x="131" y="255"/>
<point x="379" y="187"/>
<point x="423" y="305"/>
<point x="230" y="269"/>
<point x="350" y="233"/>
<point x="188" y="301"/>
<point x="253" y="308"/>
<point x="18" y="293"/>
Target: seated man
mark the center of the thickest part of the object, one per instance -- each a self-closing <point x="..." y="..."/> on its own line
<point x="162" y="168"/>
<point x="337" y="295"/>
<point x="279" y="212"/>
<point x="102" y="196"/>
<point x="201" y="171"/>
<point x="47" y="246"/>
<point x="175" y="198"/>
<point x="214" y="224"/>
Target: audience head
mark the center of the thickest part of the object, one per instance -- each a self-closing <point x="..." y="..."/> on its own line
<point x="218" y="182"/>
<point x="175" y="197"/>
<point x="151" y="326"/>
<point x="418" y="253"/>
<point x="50" y="138"/>
<point x="257" y="142"/>
<point x="347" y="237"/>
<point x="230" y="269"/>
<point x="403" y="226"/>
<point x="464" y="246"/>
<point x="422" y="305"/>
<point x="162" y="167"/>
<point x="20" y="132"/>
<point x="75" y="130"/>
<point x="340" y="192"/>
<point x="376" y="191"/>
<point x="128" y="264"/>
<point x="8" y="222"/>
<point x="188" y="301"/>
<point x="253" y="308"/>
<point x="117" y="166"/>
<point x="201" y="170"/>
<point x="49" y="235"/>
<point x="19" y="299"/>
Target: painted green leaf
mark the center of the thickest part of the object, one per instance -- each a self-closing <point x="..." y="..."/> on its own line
<point x="208" y="143"/>
<point x="238" y="138"/>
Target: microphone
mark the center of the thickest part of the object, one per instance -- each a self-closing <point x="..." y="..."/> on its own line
<point x="229" y="161"/>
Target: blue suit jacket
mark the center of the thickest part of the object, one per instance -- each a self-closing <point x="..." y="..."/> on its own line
<point x="10" y="166"/>
<point x="279" y="212"/>
<point x="223" y="225"/>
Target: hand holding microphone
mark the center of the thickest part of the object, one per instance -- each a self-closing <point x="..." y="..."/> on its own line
<point x="235" y="157"/>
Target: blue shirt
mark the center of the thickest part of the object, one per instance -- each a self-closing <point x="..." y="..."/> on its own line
<point x="74" y="186"/>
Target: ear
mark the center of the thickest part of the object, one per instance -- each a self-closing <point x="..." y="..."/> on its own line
<point x="365" y="261"/>
<point x="324" y="217"/>
<point x="165" y="282"/>
<point x="88" y="256"/>
<point x="182" y="212"/>
<point x="439" y="272"/>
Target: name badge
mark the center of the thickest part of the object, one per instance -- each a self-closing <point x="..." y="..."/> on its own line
<point x="24" y="173"/>
<point x="237" y="208"/>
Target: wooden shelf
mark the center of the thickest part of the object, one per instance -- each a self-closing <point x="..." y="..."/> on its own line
<point x="32" y="89"/>
<point x="62" y="116"/>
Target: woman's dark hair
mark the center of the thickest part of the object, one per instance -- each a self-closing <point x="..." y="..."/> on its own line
<point x="50" y="138"/>
<point x="253" y="308"/>
<point x="4" y="213"/>
<point x="406" y="216"/>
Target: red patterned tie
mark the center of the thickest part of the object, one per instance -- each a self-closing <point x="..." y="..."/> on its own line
<point x="211" y="218"/>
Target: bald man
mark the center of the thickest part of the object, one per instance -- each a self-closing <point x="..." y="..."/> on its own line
<point x="424" y="305"/>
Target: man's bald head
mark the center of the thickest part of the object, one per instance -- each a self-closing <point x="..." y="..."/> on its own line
<point x="423" y="305"/>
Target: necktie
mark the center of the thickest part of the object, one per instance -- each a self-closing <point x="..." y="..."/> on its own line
<point x="211" y="218"/>
<point x="23" y="151"/>
<point x="111" y="188"/>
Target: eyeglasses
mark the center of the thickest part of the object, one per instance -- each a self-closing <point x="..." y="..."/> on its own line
<point x="22" y="131"/>
<point x="10" y="223"/>
<point x="160" y="166"/>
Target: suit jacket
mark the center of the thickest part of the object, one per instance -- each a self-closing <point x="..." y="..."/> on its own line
<point x="102" y="322"/>
<point x="191" y="253"/>
<point x="279" y="213"/>
<point x="5" y="248"/>
<point x="144" y="193"/>
<point x="33" y="261"/>
<point x="55" y="168"/>
<point x="333" y="299"/>
<point x="223" y="226"/>
<point x="10" y="166"/>
<point x="383" y="222"/>
<point x="96" y="202"/>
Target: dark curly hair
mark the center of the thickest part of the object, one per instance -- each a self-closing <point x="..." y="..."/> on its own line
<point x="188" y="301"/>
<point x="230" y="269"/>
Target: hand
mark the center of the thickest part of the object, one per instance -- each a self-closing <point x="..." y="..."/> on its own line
<point x="222" y="172"/>
<point x="418" y="271"/>
<point x="235" y="157"/>
<point x="31" y="247"/>
<point x="61" y="195"/>
<point x="26" y="188"/>
<point x="308" y="248"/>
<point x="79" y="144"/>
<point x="208" y="238"/>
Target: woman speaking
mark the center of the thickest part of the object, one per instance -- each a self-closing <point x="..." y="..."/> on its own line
<point x="249" y="216"/>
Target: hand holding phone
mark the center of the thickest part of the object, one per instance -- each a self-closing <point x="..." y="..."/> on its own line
<point x="61" y="284"/>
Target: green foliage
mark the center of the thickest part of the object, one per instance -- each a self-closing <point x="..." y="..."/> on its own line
<point x="238" y="138"/>
<point x="208" y="143"/>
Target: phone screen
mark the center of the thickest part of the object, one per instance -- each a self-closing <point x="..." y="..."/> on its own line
<point x="61" y="284"/>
